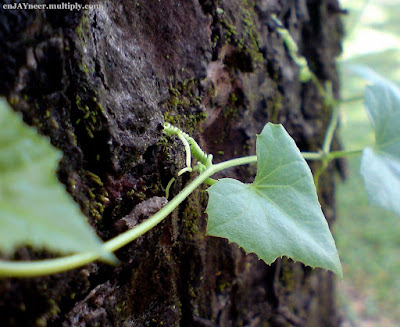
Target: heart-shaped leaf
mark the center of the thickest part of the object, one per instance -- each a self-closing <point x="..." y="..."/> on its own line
<point x="380" y="165"/>
<point x="279" y="214"/>
<point x="35" y="208"/>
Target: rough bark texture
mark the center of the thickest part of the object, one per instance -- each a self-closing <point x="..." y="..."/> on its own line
<point x="100" y="83"/>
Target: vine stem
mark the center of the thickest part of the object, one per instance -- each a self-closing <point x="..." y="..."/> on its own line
<point x="355" y="98"/>
<point x="58" y="265"/>
<point x="330" y="132"/>
<point x="188" y="155"/>
<point x="312" y="155"/>
<point x="331" y="155"/>
<point x="344" y="153"/>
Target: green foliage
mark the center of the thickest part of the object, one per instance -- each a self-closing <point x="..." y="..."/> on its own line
<point x="368" y="239"/>
<point x="35" y="209"/>
<point x="367" y="236"/>
<point x="279" y="214"/>
<point x="380" y="165"/>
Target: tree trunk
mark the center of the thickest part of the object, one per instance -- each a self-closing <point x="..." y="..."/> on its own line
<point x="100" y="83"/>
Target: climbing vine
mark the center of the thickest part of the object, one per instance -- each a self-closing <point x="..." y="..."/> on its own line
<point x="276" y="215"/>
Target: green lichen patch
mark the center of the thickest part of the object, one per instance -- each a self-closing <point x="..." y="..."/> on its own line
<point x="252" y="34"/>
<point x="90" y="114"/>
<point x="231" y="110"/>
<point x="97" y="197"/>
<point x="243" y="35"/>
<point x="83" y="28"/>
<point x="184" y="106"/>
<point x="192" y="215"/>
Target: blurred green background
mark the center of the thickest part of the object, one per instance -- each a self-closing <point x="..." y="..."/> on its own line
<point x="368" y="238"/>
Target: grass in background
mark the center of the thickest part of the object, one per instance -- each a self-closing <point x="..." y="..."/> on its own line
<point x="368" y="238"/>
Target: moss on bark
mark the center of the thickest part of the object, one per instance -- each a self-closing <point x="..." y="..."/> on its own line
<point x="100" y="83"/>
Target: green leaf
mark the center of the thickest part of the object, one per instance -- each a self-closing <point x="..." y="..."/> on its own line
<point x="279" y="214"/>
<point x="35" y="209"/>
<point x="380" y="165"/>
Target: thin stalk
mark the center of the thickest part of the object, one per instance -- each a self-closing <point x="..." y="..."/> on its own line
<point x="51" y="266"/>
<point x="188" y="154"/>
<point x="352" y="99"/>
<point x="319" y="86"/>
<point x="313" y="155"/>
<point x="330" y="130"/>
<point x="331" y="155"/>
<point x="210" y="181"/>
<point x="319" y="172"/>
<point x="58" y="265"/>
<point x="341" y="154"/>
<point x="234" y="162"/>
<point x="172" y="180"/>
<point x="327" y="157"/>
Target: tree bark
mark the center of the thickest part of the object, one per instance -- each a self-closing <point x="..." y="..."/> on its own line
<point x="100" y="83"/>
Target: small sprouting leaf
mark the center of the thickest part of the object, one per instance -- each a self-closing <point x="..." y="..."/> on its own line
<point x="35" y="209"/>
<point x="279" y="214"/>
<point x="380" y="164"/>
